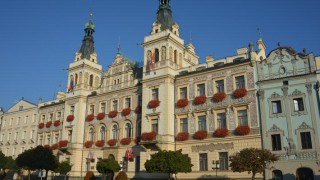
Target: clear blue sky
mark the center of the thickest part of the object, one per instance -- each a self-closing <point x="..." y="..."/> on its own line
<point x="39" y="38"/>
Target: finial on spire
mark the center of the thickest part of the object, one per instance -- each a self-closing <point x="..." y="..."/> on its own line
<point x="119" y="45"/>
<point x="260" y="36"/>
<point x="164" y="2"/>
<point x="190" y="37"/>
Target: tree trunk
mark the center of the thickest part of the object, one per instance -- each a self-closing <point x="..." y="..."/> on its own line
<point x="29" y="174"/>
<point x="46" y="175"/>
<point x="253" y="176"/>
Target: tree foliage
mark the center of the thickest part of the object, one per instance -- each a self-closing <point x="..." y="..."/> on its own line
<point x="169" y="162"/>
<point x="64" y="167"/>
<point x="7" y="162"/>
<point x="252" y="160"/>
<point x="2" y="160"/>
<point x="108" y="166"/>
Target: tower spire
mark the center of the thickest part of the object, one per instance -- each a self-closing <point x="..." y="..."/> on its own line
<point x="87" y="47"/>
<point x="164" y="15"/>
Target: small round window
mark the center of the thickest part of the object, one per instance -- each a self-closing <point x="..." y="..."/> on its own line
<point x="282" y="70"/>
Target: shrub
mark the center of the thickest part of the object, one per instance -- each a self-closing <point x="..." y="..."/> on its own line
<point x="100" y="143"/>
<point x="202" y="134"/>
<point x="90" y="117"/>
<point x="101" y="116"/>
<point x="238" y="93"/>
<point x="199" y="99"/>
<point x="182" y="103"/>
<point x="221" y="132"/>
<point x="138" y="110"/>
<point x="112" y="142"/>
<point x="242" y="130"/>
<point x="125" y="141"/>
<point x="112" y="114"/>
<point x="182" y="136"/>
<point x="153" y="103"/>
<point x="54" y="146"/>
<point x="70" y="117"/>
<point x="63" y="143"/>
<point x="41" y="125"/>
<point x="88" y="144"/>
<point x="148" y="136"/>
<point x="126" y="111"/>
<point x="48" y="124"/>
<point x="122" y="176"/>
<point x="219" y="96"/>
<point x="56" y="123"/>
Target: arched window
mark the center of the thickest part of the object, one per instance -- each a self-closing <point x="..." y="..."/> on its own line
<point x="128" y="130"/>
<point x="277" y="174"/>
<point x="163" y="53"/>
<point x="115" y="132"/>
<point x="91" y="80"/>
<point x="175" y="56"/>
<point x="91" y="135"/>
<point x="304" y="173"/>
<point x="76" y="79"/>
<point x="156" y="56"/>
<point x="111" y="156"/>
<point x="102" y="133"/>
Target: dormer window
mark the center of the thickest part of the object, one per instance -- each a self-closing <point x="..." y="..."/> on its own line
<point x="157" y="30"/>
<point x="20" y="108"/>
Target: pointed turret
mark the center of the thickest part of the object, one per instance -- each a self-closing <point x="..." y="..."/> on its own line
<point x="87" y="47"/>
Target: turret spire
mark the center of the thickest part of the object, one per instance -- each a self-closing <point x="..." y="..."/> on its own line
<point x="164" y="15"/>
<point x="87" y="47"/>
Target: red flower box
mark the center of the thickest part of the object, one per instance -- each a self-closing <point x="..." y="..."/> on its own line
<point x="238" y="93"/>
<point x="202" y="134"/>
<point x="153" y="103"/>
<point x="90" y="117"/>
<point x="126" y="111"/>
<point x="221" y="132"/>
<point x="63" y="143"/>
<point x="54" y="146"/>
<point x="40" y="125"/>
<point x="56" y="123"/>
<point x="101" y="116"/>
<point x="199" y="99"/>
<point x="100" y="143"/>
<point x="46" y="146"/>
<point x="112" y="114"/>
<point x="182" y="103"/>
<point x="70" y="117"/>
<point x="219" y="96"/>
<point x="125" y="141"/>
<point x="138" y="109"/>
<point x="112" y="142"/>
<point x="148" y="136"/>
<point x="242" y="130"/>
<point x="48" y="124"/>
<point x="88" y="144"/>
<point x="182" y="136"/>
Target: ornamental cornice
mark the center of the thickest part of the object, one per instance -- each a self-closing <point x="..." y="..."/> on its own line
<point x="304" y="126"/>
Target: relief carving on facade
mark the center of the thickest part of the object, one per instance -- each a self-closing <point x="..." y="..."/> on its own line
<point x="229" y="82"/>
<point x="192" y="123"/>
<point x="155" y="83"/>
<point x="191" y="90"/>
<point x="212" y="147"/>
<point x="285" y="90"/>
<point x="250" y="79"/>
<point x="253" y="115"/>
<point x="211" y="118"/>
<point x="209" y="87"/>
<point x="304" y="126"/>
<point x="309" y="88"/>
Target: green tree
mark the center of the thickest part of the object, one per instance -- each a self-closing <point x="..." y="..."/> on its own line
<point x="2" y="160"/>
<point x="25" y="161"/>
<point x="64" y="167"/>
<point x="252" y="160"/>
<point x="108" y="167"/>
<point x="171" y="162"/>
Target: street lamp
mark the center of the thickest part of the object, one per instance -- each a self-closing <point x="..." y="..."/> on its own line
<point x="217" y="163"/>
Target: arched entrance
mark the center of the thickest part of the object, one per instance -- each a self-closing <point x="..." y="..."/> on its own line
<point x="304" y="174"/>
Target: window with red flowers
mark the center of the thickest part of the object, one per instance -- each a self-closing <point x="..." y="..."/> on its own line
<point x="201" y="134"/>
<point x="70" y="117"/>
<point x="100" y="143"/>
<point x="199" y="99"/>
<point x="153" y="103"/>
<point x="182" y="136"/>
<point x="125" y="141"/>
<point x="48" y="124"/>
<point x="101" y="116"/>
<point x="56" y="123"/>
<point x="41" y="125"/>
<point x="88" y="144"/>
<point x="112" y="114"/>
<point x="219" y="96"/>
<point x="63" y="143"/>
<point x="221" y="132"/>
<point x="126" y="111"/>
<point x="242" y="130"/>
<point x="90" y="117"/>
<point x="148" y="136"/>
<point x="182" y="103"/>
<point x="112" y="142"/>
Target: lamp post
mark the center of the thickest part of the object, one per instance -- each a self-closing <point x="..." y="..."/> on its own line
<point x="216" y="166"/>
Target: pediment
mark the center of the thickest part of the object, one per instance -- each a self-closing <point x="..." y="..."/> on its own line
<point x="274" y="128"/>
<point x="304" y="126"/>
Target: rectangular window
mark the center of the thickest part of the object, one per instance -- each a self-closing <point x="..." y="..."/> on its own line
<point x="16" y="136"/>
<point x="72" y="110"/>
<point x="276" y="107"/>
<point x="10" y="122"/>
<point x="103" y="107"/>
<point x="91" y="109"/>
<point x="220" y="86"/>
<point x="34" y="119"/>
<point x="202" y="123"/>
<point x="306" y="142"/>
<point x="32" y="134"/>
<point x="128" y="102"/>
<point x="18" y="120"/>
<point x="276" y="142"/>
<point x="1" y="137"/>
<point x="203" y="162"/>
<point x="70" y="135"/>
<point x="155" y="94"/>
<point x="183" y="93"/>
<point x="115" y="105"/>
<point x="240" y="82"/>
<point x="26" y="119"/>
<point x="58" y="115"/>
<point x="51" y="117"/>
<point x="23" y="137"/>
<point x="224" y="159"/>
<point x="184" y="125"/>
<point x="154" y="125"/>
<point x="43" y="118"/>
<point x="20" y="108"/>
<point x="242" y="117"/>
<point x="9" y="137"/>
<point x="298" y="104"/>
<point x="201" y="89"/>
<point x="221" y="120"/>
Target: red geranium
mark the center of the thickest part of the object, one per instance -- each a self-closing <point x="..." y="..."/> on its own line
<point x="54" y="146"/>
<point x="148" y="136"/>
<point x="154" y="103"/>
<point x="88" y="144"/>
<point x="90" y="117"/>
<point x="63" y="143"/>
<point x="221" y="132"/>
<point x="125" y="141"/>
<point x="48" y="124"/>
<point x="112" y="114"/>
<point x="202" y="134"/>
<point x="219" y="96"/>
<point x="182" y="136"/>
<point x="126" y="111"/>
<point x="101" y="116"/>
<point x="182" y="103"/>
<point x="238" y="93"/>
<point x="56" y="123"/>
<point x="138" y="109"/>
<point x="112" y="142"/>
<point x="41" y="125"/>
<point x="199" y="99"/>
<point x="242" y="130"/>
<point x="70" y="117"/>
<point x="100" y="143"/>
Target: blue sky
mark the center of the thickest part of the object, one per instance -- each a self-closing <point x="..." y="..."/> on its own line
<point x="39" y="38"/>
